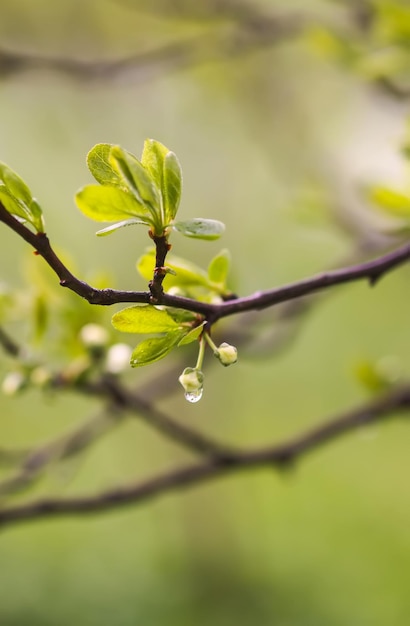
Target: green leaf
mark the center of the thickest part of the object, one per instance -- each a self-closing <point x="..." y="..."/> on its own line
<point x="98" y="161"/>
<point x="200" y="228"/>
<point x="109" y="204"/>
<point x="172" y="186"/>
<point x="143" y="319"/>
<point x="218" y="268"/>
<point x="152" y="159"/>
<point x="193" y="335"/>
<point x="18" y="200"/>
<point x="154" y="349"/>
<point x="110" y="229"/>
<point x="393" y="202"/>
<point x="186" y="273"/>
<point x="11" y="205"/>
<point x="165" y="170"/>
<point x="136" y="178"/>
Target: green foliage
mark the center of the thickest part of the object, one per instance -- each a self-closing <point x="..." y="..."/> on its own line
<point x="394" y="203"/>
<point x="18" y="200"/>
<point x="107" y="204"/>
<point x="378" y="376"/>
<point x="379" y="50"/>
<point x="199" y="228"/>
<point x="165" y="170"/>
<point x="132" y="192"/>
<point x="144" y="192"/>
<point x="188" y="278"/>
<point x="153" y="349"/>
<point x="174" y="329"/>
<point x="143" y="319"/>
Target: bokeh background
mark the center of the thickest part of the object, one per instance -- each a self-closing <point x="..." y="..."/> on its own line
<point x="282" y="114"/>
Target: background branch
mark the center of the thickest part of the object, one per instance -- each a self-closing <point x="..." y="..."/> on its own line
<point x="279" y="456"/>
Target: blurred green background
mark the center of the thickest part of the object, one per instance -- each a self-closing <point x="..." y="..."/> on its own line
<point x="277" y="137"/>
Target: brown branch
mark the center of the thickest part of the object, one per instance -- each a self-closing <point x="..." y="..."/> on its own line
<point x="33" y="463"/>
<point x="371" y="271"/>
<point x="111" y="388"/>
<point x="279" y="456"/>
<point x="9" y="345"/>
<point x="252" y="30"/>
<point x="162" y="247"/>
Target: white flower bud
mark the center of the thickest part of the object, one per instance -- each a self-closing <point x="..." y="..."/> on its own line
<point x="13" y="383"/>
<point x="227" y="354"/>
<point x="118" y="358"/>
<point x="192" y="381"/>
<point x="94" y="336"/>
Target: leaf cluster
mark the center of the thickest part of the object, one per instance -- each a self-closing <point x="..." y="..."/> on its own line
<point x="18" y="200"/>
<point x="145" y="192"/>
<point x="172" y="327"/>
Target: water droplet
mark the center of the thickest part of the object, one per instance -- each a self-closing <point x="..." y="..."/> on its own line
<point x="194" y="396"/>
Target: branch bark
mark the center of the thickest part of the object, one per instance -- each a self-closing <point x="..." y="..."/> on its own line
<point x="278" y="456"/>
<point x="372" y="271"/>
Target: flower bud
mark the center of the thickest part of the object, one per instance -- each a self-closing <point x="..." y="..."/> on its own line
<point x="227" y="354"/>
<point x="118" y="358"/>
<point x="192" y="381"/>
<point x="13" y="383"/>
<point x="94" y="336"/>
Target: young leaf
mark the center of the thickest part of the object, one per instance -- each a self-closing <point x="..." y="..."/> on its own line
<point x="110" y="229"/>
<point x="193" y="335"/>
<point x="15" y="185"/>
<point x="135" y="177"/>
<point x="172" y="186"/>
<point x="12" y="205"/>
<point x="108" y="204"/>
<point x="186" y="273"/>
<point x="393" y="202"/>
<point x="218" y="268"/>
<point x="154" y="349"/>
<point x="165" y="170"/>
<point x="152" y="159"/>
<point x="200" y="228"/>
<point x="17" y="198"/>
<point x="98" y="161"/>
<point x="143" y="319"/>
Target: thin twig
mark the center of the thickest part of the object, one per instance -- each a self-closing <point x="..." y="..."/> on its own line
<point x="112" y="389"/>
<point x="279" y="456"/>
<point x="9" y="345"/>
<point x="34" y="462"/>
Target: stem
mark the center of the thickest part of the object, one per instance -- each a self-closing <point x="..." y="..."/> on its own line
<point x="211" y="344"/>
<point x="201" y="354"/>
<point x="162" y="247"/>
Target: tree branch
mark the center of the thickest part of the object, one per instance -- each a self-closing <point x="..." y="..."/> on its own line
<point x="371" y="271"/>
<point x="122" y="398"/>
<point x="279" y="456"/>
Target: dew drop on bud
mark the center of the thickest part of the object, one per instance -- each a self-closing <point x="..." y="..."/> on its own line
<point x="193" y="396"/>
